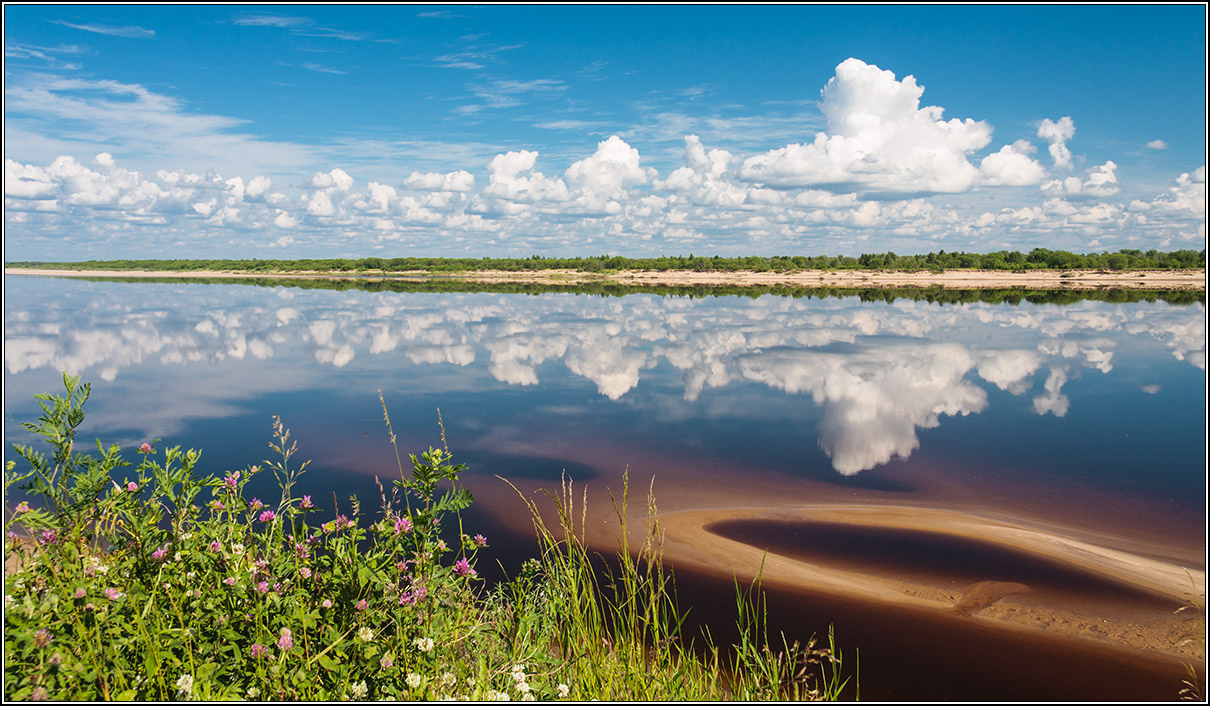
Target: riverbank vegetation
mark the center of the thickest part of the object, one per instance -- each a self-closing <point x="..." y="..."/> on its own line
<point x="144" y="579"/>
<point x="933" y="295"/>
<point x="1036" y="259"/>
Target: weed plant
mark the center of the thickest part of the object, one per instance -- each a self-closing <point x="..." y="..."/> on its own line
<point x="167" y="584"/>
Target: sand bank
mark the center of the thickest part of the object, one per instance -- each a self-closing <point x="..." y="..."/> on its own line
<point x="1152" y="627"/>
<point x="950" y="279"/>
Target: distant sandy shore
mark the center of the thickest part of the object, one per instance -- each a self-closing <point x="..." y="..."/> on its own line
<point x="950" y="279"/>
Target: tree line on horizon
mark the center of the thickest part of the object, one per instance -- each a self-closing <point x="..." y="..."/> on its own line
<point x="1036" y="259"/>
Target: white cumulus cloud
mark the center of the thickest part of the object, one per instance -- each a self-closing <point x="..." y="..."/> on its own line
<point x="878" y="139"/>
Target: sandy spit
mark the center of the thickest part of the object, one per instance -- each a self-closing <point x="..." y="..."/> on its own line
<point x="951" y="279"/>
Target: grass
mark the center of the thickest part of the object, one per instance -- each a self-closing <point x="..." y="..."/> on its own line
<point x="150" y="581"/>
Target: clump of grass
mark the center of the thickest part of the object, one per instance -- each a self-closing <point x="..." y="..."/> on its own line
<point x="618" y="634"/>
<point x="171" y="584"/>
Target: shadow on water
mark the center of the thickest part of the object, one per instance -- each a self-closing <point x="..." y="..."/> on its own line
<point x="928" y="557"/>
<point x="527" y="467"/>
<point x="918" y="655"/>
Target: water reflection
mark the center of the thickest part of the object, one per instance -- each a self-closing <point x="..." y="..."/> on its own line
<point x="878" y="372"/>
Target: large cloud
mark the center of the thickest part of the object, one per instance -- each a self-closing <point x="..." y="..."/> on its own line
<point x="879" y="139"/>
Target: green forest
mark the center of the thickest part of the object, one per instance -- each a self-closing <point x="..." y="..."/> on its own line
<point x="1036" y="259"/>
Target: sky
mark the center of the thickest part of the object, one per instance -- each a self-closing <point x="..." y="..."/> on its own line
<point x="283" y="131"/>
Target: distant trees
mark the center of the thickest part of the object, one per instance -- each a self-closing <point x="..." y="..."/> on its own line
<point x="1038" y="258"/>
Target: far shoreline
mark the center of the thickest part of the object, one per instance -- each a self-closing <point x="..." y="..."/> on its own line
<point x="1189" y="280"/>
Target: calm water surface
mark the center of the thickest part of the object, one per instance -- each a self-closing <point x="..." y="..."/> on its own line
<point x="1032" y="408"/>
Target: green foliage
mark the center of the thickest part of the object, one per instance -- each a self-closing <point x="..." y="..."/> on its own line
<point x="1038" y="258"/>
<point x="165" y="584"/>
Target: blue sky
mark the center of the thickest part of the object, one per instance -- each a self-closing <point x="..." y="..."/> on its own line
<point x="298" y="131"/>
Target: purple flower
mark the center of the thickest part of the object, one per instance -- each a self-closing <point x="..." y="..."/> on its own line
<point x="258" y="650"/>
<point x="160" y="553"/>
<point x="231" y="480"/>
<point x="80" y="593"/>
<point x="216" y="546"/>
<point x="40" y="694"/>
<point x="327" y="603"/>
<point x="23" y="508"/>
<point x="230" y="580"/>
<point x="145" y="448"/>
<point x="414" y="596"/>
<point x="255" y="505"/>
<point x="216" y="505"/>
<point x="462" y="567"/>
<point x="386" y="662"/>
<point x="112" y="594"/>
<point x="403" y="524"/>
<point x="131" y="487"/>
<point x="342" y="522"/>
<point x="263" y="587"/>
<point x="285" y="642"/>
<point x="42" y="638"/>
<point x="267" y="516"/>
<point x="480" y="540"/>
<point x="301" y="551"/>
<point x="49" y="537"/>
<point x="362" y="605"/>
<point x="305" y="572"/>
<point x="306" y="503"/>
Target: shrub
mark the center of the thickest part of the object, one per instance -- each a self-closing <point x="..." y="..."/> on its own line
<point x="168" y="584"/>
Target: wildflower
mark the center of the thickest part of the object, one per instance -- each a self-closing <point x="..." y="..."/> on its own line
<point x="80" y="593"/>
<point x="480" y="540"/>
<point x="362" y="604"/>
<point x="365" y="634"/>
<point x="448" y="679"/>
<point x="442" y="545"/>
<point x="231" y="480"/>
<point x="564" y="691"/>
<point x="145" y="448"/>
<point x="262" y="587"/>
<point x="216" y="546"/>
<point x="258" y="650"/>
<point x="424" y="644"/>
<point x="286" y="642"/>
<point x="386" y="662"/>
<point x="23" y="508"/>
<point x="49" y="537"/>
<point x="342" y="522"/>
<point x="112" y="594"/>
<point x="253" y="692"/>
<point x="131" y="487"/>
<point x="403" y="524"/>
<point x="327" y="603"/>
<point x="528" y="697"/>
<point x="184" y="686"/>
<point x="523" y="686"/>
<point x="306" y="503"/>
<point x="359" y="690"/>
<point x="40" y="694"/>
<point x="89" y="607"/>
<point x="230" y="580"/>
<point x="413" y="680"/>
<point x="255" y="504"/>
<point x="42" y="638"/>
<point x="55" y="660"/>
<point x="305" y="572"/>
<point x="462" y="567"/>
<point x="267" y="516"/>
<point x="301" y="551"/>
<point x="493" y="695"/>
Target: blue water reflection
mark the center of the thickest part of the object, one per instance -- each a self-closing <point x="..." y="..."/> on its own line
<point x="829" y="388"/>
